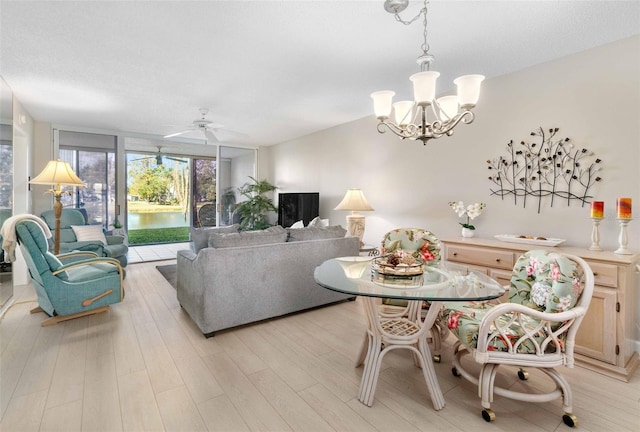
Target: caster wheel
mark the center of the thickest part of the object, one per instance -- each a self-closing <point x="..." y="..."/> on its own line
<point x="437" y="358"/>
<point x="570" y="420"/>
<point x="523" y="374"/>
<point x="455" y="372"/>
<point x="488" y="415"/>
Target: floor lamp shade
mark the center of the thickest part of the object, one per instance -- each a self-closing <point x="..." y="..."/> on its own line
<point x="354" y="201"/>
<point x="57" y="173"/>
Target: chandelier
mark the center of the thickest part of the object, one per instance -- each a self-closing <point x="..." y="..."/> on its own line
<point x="411" y="117"/>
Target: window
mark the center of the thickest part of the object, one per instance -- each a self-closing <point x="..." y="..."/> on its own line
<point x="93" y="158"/>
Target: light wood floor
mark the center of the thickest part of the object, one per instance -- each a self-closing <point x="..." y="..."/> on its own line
<point x="144" y="366"/>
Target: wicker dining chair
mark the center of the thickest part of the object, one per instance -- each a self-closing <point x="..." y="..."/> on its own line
<point x="425" y="246"/>
<point x="549" y="296"/>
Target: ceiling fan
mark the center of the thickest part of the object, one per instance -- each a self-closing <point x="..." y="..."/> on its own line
<point x="159" y="158"/>
<point x="207" y="127"/>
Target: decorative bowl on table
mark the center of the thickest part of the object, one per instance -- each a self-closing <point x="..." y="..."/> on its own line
<point x="398" y="265"/>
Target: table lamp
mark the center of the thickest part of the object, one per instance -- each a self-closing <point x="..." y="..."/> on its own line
<point x="354" y="201"/>
<point x="57" y="173"/>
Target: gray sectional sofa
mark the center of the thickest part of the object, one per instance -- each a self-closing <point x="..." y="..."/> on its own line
<point x="244" y="277"/>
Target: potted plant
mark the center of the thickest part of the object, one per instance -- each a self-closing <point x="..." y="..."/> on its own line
<point x="116" y="224"/>
<point x="253" y="211"/>
<point x="471" y="211"/>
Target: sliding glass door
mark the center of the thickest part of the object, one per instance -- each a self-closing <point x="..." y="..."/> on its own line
<point x="97" y="169"/>
<point x="235" y="166"/>
<point x="204" y="192"/>
<point x="158" y="198"/>
<point x="168" y="193"/>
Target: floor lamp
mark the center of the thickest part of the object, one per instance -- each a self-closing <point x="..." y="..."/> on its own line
<point x="354" y="201"/>
<point x="57" y="173"/>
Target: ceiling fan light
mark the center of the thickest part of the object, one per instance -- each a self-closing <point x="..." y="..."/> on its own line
<point x="468" y="90"/>
<point x="448" y="107"/>
<point x="424" y="86"/>
<point x="382" y="103"/>
<point x="403" y="111"/>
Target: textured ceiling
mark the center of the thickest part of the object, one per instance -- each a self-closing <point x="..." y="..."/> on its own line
<point x="273" y="70"/>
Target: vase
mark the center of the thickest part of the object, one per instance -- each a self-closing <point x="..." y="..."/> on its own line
<point x="466" y="232"/>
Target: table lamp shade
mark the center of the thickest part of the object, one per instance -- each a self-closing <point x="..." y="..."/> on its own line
<point x="355" y="201"/>
<point x="57" y="173"/>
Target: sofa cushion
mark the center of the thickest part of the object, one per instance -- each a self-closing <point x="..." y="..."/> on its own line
<point x="275" y="234"/>
<point x="89" y="233"/>
<point x="316" y="233"/>
<point x="297" y="225"/>
<point x="318" y="223"/>
<point x="200" y="236"/>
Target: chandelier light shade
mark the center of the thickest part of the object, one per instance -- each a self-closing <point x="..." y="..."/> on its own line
<point x="354" y="201"/>
<point x="425" y="117"/>
<point x="57" y="173"/>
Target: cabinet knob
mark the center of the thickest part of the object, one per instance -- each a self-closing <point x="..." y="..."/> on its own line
<point x="455" y="254"/>
<point x="497" y="259"/>
<point x="595" y="274"/>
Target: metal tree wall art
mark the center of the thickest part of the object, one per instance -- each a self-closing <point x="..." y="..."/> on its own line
<point x="548" y="167"/>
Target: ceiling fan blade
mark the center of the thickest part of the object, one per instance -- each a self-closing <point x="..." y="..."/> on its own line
<point x="178" y="133"/>
<point x="211" y="138"/>
<point x="175" y="159"/>
<point x="143" y="158"/>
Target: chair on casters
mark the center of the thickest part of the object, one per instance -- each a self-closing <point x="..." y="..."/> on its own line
<point x="425" y="246"/>
<point x="85" y="286"/>
<point x="548" y="297"/>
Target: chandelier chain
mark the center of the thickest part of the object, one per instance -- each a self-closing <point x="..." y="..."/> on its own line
<point x="425" y="45"/>
<point x="425" y="59"/>
<point x="415" y="18"/>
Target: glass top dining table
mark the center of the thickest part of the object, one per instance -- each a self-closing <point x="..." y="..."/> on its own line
<point x="444" y="282"/>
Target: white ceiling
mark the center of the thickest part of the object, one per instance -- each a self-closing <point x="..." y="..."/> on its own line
<point x="274" y="70"/>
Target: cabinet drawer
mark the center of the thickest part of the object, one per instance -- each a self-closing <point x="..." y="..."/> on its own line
<point x="480" y="256"/>
<point x="604" y="274"/>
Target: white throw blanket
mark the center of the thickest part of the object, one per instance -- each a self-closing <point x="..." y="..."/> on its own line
<point x="8" y="233"/>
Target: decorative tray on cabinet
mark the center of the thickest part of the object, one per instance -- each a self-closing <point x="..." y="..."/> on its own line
<point x="540" y="241"/>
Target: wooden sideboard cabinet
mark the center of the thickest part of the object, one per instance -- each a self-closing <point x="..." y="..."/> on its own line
<point x="606" y="340"/>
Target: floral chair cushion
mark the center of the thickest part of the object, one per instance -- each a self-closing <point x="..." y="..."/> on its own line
<point x="544" y="283"/>
<point x="422" y="244"/>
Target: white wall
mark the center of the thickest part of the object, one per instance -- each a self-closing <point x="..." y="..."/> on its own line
<point x="593" y="97"/>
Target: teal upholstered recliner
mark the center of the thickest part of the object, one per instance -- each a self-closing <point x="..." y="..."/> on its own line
<point x="115" y="247"/>
<point x="86" y="285"/>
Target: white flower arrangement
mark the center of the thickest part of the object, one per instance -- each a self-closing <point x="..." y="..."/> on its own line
<point x="472" y="211"/>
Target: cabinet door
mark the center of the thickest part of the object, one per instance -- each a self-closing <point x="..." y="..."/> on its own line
<point x="596" y="337"/>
